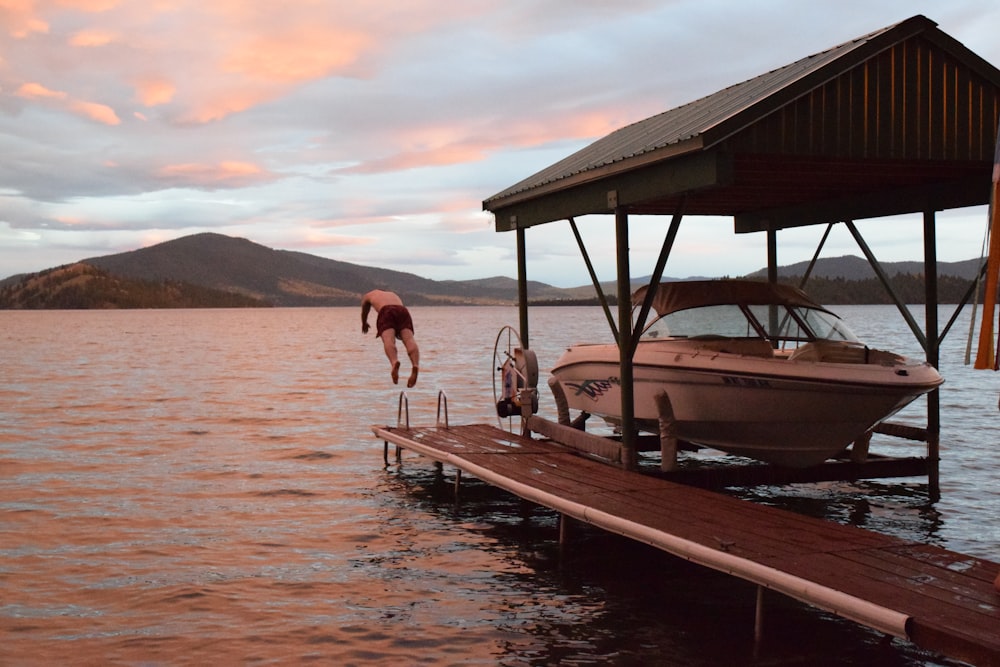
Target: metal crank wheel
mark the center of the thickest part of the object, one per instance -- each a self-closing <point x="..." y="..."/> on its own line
<point x="515" y="378"/>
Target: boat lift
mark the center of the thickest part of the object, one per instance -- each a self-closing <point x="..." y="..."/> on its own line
<point x="900" y="121"/>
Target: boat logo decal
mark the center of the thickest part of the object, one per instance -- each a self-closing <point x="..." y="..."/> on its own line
<point x="593" y="389"/>
<point x="736" y="381"/>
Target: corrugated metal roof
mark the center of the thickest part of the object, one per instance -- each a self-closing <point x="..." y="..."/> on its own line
<point x="699" y="124"/>
<point x="897" y="121"/>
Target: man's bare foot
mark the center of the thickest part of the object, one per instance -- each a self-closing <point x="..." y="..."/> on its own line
<point x="413" y="377"/>
<point x="395" y="373"/>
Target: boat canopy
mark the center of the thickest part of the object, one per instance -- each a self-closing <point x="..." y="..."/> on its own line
<point x="675" y="296"/>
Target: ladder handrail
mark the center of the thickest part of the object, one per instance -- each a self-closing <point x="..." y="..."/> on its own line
<point x="442" y="398"/>
<point x="403" y="401"/>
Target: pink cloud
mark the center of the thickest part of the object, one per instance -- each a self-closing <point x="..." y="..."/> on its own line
<point x="100" y="113"/>
<point x="436" y="157"/>
<point x="295" y="55"/>
<point x="92" y="38"/>
<point x="22" y="18"/>
<point x="19" y="20"/>
<point x="315" y="239"/>
<point x="221" y="103"/>
<point x="153" y="91"/>
<point x="36" y="91"/>
<point x="228" y="173"/>
<point x="436" y="146"/>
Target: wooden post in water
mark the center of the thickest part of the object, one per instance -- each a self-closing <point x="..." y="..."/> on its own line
<point x="933" y="355"/>
<point x="758" y="619"/>
<point x="772" y="277"/>
<point x="629" y="454"/>
<point x="522" y="288"/>
<point x="668" y="432"/>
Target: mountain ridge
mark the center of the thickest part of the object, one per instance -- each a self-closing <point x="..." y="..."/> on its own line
<point x="264" y="276"/>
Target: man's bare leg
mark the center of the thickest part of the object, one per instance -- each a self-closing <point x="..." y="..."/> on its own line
<point x="389" y="343"/>
<point x="413" y="352"/>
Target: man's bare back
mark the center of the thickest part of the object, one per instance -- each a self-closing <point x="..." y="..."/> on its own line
<point x="380" y="298"/>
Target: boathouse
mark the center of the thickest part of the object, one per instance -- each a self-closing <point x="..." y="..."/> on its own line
<point x="899" y="121"/>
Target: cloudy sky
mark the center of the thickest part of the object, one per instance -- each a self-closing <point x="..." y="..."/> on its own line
<point x="371" y="132"/>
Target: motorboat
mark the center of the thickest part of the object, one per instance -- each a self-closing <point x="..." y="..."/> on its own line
<point x="750" y="368"/>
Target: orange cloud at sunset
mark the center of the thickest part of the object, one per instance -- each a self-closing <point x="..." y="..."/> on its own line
<point x="22" y="18"/>
<point x="96" y="112"/>
<point x="100" y="113"/>
<point x="90" y="38"/>
<point x="434" y="157"/>
<point x="36" y="91"/>
<point x="220" y="104"/>
<point x="228" y="173"/>
<point x="18" y="19"/>
<point x="153" y="92"/>
<point x="299" y="55"/>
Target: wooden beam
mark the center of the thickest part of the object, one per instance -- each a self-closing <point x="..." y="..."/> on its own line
<point x="860" y="206"/>
<point x="663" y="179"/>
<point x="581" y="441"/>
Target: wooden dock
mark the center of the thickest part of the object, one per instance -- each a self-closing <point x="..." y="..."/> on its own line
<point x="937" y="599"/>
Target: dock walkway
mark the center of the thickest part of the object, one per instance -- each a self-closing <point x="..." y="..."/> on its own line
<point x="938" y="599"/>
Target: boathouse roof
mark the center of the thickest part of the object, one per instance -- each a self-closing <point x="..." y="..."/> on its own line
<point x="901" y="120"/>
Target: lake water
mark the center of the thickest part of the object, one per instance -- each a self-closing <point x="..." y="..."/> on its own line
<point x="203" y="487"/>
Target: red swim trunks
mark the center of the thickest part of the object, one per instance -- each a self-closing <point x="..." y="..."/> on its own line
<point x="393" y="317"/>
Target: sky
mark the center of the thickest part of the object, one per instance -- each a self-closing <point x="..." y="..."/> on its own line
<point x="371" y="132"/>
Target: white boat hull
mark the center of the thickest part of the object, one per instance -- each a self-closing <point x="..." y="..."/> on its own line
<point x="790" y="413"/>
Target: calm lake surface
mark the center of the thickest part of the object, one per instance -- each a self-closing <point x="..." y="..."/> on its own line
<point x="203" y="487"/>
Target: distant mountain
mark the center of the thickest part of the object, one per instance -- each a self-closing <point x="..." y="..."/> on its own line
<point x="212" y="269"/>
<point x="850" y="267"/>
<point x="285" y="278"/>
<point x="288" y="278"/>
<point x="83" y="286"/>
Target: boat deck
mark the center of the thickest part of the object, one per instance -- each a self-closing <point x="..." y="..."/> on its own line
<point x="938" y="599"/>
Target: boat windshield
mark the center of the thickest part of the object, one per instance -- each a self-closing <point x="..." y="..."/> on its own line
<point x="799" y="324"/>
<point x="785" y="327"/>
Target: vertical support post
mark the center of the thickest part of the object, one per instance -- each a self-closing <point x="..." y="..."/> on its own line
<point x="933" y="353"/>
<point x="629" y="456"/>
<point x="522" y="288"/>
<point x="458" y="481"/>
<point x="772" y="256"/>
<point x="772" y="277"/>
<point x="563" y="529"/>
<point x="758" y="620"/>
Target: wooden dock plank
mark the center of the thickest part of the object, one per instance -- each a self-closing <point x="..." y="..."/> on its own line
<point x="947" y="599"/>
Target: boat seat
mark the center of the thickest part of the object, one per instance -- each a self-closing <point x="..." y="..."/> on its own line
<point x="833" y="352"/>
<point x="754" y="347"/>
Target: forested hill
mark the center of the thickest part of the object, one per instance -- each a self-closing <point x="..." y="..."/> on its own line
<point x="82" y="286"/>
<point x="212" y="270"/>
<point x="257" y="274"/>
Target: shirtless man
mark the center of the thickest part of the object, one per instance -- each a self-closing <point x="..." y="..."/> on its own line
<point x="393" y="322"/>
